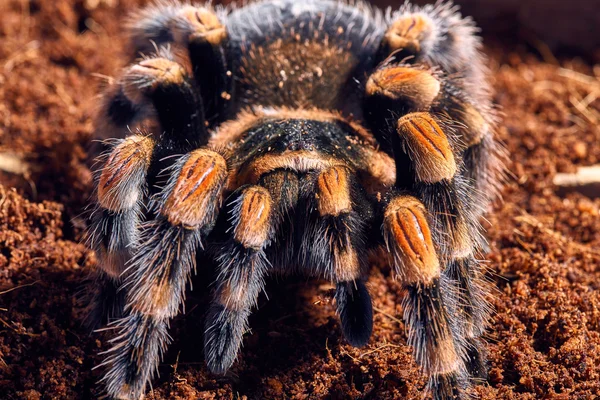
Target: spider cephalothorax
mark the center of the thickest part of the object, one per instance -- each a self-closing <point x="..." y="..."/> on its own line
<point x="295" y="137"/>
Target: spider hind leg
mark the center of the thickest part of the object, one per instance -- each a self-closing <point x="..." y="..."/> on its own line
<point x="449" y="308"/>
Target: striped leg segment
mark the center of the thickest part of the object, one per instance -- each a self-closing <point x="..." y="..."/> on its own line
<point x="409" y="239"/>
<point x="157" y="275"/>
<point x="334" y="243"/>
<point x="114" y="224"/>
<point x="241" y="266"/>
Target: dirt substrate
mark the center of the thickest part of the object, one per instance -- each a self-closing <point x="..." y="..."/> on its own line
<point x="545" y="336"/>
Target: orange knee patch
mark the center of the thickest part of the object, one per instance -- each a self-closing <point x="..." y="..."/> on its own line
<point x="252" y="229"/>
<point x="409" y="238"/>
<point x="402" y="83"/>
<point x="197" y="191"/>
<point x="333" y="192"/>
<point x="205" y="26"/>
<point x="119" y="186"/>
<point x="428" y="147"/>
<point x="155" y="71"/>
<point x="477" y="126"/>
<point x="407" y="32"/>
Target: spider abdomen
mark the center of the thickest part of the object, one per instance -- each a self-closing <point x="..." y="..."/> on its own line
<point x="302" y="54"/>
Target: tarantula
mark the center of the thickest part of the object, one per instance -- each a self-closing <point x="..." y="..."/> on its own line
<point x="295" y="137"/>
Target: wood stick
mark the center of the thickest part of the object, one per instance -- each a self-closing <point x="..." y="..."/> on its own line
<point x="585" y="181"/>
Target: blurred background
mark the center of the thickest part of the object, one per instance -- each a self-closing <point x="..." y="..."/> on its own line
<point x="564" y="26"/>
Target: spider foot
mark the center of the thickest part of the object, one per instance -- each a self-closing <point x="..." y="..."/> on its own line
<point x="356" y="312"/>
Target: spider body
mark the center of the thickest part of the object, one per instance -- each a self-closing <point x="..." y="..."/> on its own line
<point x="296" y="139"/>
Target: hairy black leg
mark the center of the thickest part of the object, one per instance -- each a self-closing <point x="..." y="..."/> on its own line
<point x="184" y="193"/>
<point x="408" y="237"/>
<point x="114" y="223"/>
<point x="355" y="310"/>
<point x="456" y="205"/>
<point x="199" y="30"/>
<point x="241" y="267"/>
<point x="334" y="246"/>
<point x="437" y="35"/>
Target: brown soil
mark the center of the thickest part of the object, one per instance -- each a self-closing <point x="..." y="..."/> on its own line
<point x="545" y="337"/>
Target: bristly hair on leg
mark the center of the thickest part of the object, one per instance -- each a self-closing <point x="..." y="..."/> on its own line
<point x="135" y="353"/>
<point x="241" y="266"/>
